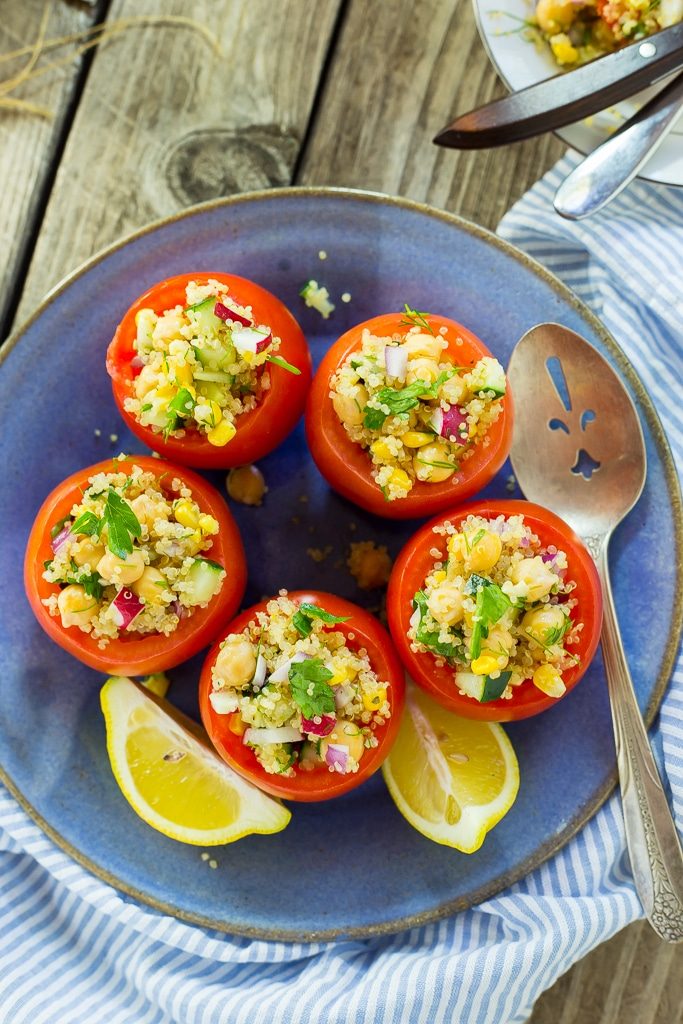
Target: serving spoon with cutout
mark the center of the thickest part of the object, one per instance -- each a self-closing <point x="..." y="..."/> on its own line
<point x="579" y="450"/>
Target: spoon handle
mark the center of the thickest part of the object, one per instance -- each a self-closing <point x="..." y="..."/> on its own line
<point x="653" y="844"/>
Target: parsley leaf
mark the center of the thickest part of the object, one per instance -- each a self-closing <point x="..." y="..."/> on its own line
<point x="87" y="523"/>
<point x="430" y="638"/>
<point x="491" y="605"/>
<point x="401" y="400"/>
<point x="279" y="361"/>
<point x="121" y="523"/>
<point x="301" y="620"/>
<point x="181" y="404"/>
<point x="311" y="691"/>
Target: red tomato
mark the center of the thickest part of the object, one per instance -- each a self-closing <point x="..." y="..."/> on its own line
<point x="136" y="654"/>
<point x="321" y="783"/>
<point x="416" y="561"/>
<point x="258" y="431"/>
<point x="347" y="467"/>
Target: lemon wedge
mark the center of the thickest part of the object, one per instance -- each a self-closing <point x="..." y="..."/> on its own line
<point x="171" y="776"/>
<point x="452" y="778"/>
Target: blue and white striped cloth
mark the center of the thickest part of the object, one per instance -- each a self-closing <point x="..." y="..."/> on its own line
<point x="73" y="950"/>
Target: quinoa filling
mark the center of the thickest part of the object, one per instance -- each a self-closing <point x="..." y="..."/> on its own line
<point x="299" y="693"/>
<point x="418" y="415"/>
<point x="498" y="609"/>
<point x="201" y="365"/>
<point x="130" y="557"/>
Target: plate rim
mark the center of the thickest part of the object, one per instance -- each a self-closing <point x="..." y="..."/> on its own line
<point x="586" y="812"/>
<point x="558" y="132"/>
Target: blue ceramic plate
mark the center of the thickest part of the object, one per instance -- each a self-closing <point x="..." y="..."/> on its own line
<point x="351" y="867"/>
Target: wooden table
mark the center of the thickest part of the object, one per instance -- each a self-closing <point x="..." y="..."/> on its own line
<point x="336" y="92"/>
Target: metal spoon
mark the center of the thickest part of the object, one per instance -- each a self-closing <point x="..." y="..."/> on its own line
<point x="589" y="468"/>
<point x="608" y="169"/>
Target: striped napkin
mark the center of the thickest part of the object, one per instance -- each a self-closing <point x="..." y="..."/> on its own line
<point x="74" y="951"/>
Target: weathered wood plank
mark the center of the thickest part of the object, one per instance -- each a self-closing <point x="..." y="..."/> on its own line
<point x="395" y="80"/>
<point x="165" y="122"/>
<point x="28" y="142"/>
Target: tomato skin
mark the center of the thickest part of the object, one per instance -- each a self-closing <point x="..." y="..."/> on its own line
<point x="135" y="655"/>
<point x="260" y="430"/>
<point x="347" y="467"/>
<point x="415" y="562"/>
<point x="319" y="784"/>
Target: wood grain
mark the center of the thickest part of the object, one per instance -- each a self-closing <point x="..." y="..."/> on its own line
<point x="28" y="143"/>
<point x="397" y="77"/>
<point x="165" y="122"/>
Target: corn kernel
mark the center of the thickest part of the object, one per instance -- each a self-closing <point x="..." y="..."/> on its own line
<point x="207" y="524"/>
<point x="221" y="434"/>
<point x="186" y="514"/>
<point x="485" y="664"/>
<point x="165" y="392"/>
<point x="183" y="375"/>
<point x="457" y="549"/>
<point x="439" y="576"/>
<point x="416" y="438"/>
<point x="399" y="478"/>
<point x="563" y="50"/>
<point x="381" y="450"/>
<point x="340" y="676"/>
<point x="548" y="680"/>
<point x="236" y="724"/>
<point x="374" y="701"/>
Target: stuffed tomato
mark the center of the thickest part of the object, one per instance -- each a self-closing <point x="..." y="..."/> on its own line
<point x="133" y="565"/>
<point x="303" y="695"/>
<point x="495" y="609"/>
<point x="210" y="370"/>
<point x="409" y="414"/>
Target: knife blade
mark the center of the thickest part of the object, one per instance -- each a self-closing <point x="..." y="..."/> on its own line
<point x="568" y="97"/>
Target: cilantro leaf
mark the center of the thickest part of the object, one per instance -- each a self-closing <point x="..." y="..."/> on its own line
<point x="121" y="523"/>
<point x="491" y="605"/>
<point x="87" y="523"/>
<point x="401" y="400"/>
<point x="430" y="638"/>
<point x="301" y="620"/>
<point x="279" y="361"/>
<point x="311" y="691"/>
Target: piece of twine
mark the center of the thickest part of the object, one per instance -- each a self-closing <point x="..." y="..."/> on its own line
<point x="86" y="39"/>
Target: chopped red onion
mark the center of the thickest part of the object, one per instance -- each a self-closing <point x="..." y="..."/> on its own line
<point x="262" y="737"/>
<point x="225" y="313"/>
<point x="323" y="727"/>
<point x="126" y="606"/>
<point x="60" y="539"/>
<point x="524" y="542"/>
<point x="282" y="673"/>
<point x="222" y="702"/>
<point x="548" y="558"/>
<point x="251" y="339"/>
<point x="450" y="422"/>
<point x="343" y="695"/>
<point x="136" y="363"/>
<point x="337" y="757"/>
<point x="260" y="672"/>
<point x="396" y="361"/>
<point x="179" y="609"/>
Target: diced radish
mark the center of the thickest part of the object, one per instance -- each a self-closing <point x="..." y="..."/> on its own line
<point x="225" y="313"/>
<point x="282" y="673"/>
<point x="262" y="737"/>
<point x="222" y="702"/>
<point x="260" y="672"/>
<point x="396" y="361"/>
<point x="323" y="727"/>
<point x="251" y="339"/>
<point x="450" y="423"/>
<point x="60" y="539"/>
<point x="337" y="757"/>
<point x="126" y="606"/>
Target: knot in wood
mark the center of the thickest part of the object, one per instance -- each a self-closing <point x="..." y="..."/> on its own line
<point x="212" y="162"/>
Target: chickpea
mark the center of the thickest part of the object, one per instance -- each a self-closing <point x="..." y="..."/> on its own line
<point x="424" y="345"/>
<point x="422" y="369"/>
<point x="148" y="511"/>
<point x="457" y="549"/>
<point x="236" y="662"/>
<point x="425" y="463"/>
<point x="150" y="586"/>
<point x="539" y="621"/>
<point x="75" y="607"/>
<point x="167" y="327"/>
<point x="454" y="390"/>
<point x="534" y="574"/>
<point x="147" y="379"/>
<point x="555" y="16"/>
<point x="349" y="407"/>
<point x="345" y="734"/>
<point x="445" y="604"/>
<point x="121" y="571"/>
<point x="485" y="553"/>
<point x="87" y="552"/>
<point x="246" y="484"/>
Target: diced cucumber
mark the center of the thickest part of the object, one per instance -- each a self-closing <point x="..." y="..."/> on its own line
<point x="488" y="375"/>
<point x="214" y="392"/>
<point x="209" y="324"/>
<point x="482" y="688"/>
<point x="204" y="580"/>
<point x="204" y="315"/>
